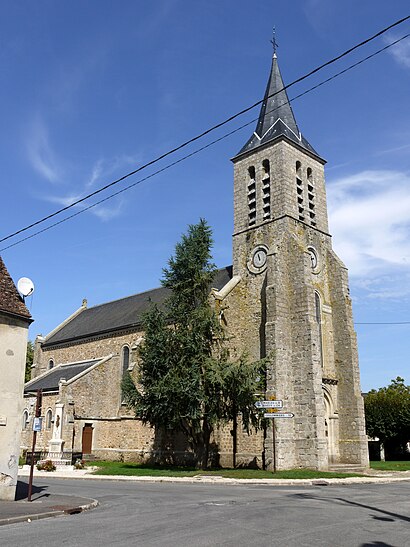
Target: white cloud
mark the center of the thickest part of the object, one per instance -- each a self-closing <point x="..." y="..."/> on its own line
<point x="400" y="51"/>
<point x="102" y="169"/>
<point x="369" y="215"/>
<point x="40" y="153"/>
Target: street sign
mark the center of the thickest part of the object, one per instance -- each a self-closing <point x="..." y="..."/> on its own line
<point x="37" y="423"/>
<point x="278" y="415"/>
<point x="269" y="404"/>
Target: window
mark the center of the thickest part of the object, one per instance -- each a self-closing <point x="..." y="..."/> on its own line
<point x="50" y="364"/>
<point x="125" y="359"/>
<point x="318" y="317"/>
<point x="299" y="191"/>
<point x="266" y="189"/>
<point x="125" y="362"/>
<point x="49" y="418"/>
<point x="311" y="196"/>
<point x="24" y="424"/>
<point x="251" y="196"/>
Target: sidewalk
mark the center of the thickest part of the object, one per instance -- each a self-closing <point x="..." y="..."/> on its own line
<point x="43" y="505"/>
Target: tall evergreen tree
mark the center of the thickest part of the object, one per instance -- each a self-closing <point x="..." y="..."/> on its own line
<point x="186" y="380"/>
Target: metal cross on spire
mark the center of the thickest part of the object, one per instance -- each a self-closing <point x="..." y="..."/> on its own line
<point x="274" y="43"/>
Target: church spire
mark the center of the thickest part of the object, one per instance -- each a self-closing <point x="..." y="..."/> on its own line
<point x="276" y="117"/>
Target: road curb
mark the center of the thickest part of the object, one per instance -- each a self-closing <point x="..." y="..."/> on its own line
<point x="232" y="481"/>
<point x="48" y="514"/>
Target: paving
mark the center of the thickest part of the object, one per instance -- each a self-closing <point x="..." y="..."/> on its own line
<point x="44" y="505"/>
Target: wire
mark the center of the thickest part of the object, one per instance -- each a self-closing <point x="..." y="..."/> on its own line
<point x="197" y="151"/>
<point x="206" y="132"/>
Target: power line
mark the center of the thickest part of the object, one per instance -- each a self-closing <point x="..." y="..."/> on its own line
<point x="197" y="151"/>
<point x="207" y="131"/>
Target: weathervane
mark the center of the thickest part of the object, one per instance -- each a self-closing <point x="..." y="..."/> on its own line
<point x="274" y="43"/>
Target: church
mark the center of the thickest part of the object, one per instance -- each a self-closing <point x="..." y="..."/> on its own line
<point x="285" y="297"/>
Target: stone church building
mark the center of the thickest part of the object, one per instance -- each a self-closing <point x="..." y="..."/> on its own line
<point x="286" y="297"/>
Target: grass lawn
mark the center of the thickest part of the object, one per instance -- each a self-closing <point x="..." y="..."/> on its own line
<point x="391" y="466"/>
<point x="143" y="470"/>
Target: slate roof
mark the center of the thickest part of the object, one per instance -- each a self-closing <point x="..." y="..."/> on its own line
<point x="50" y="381"/>
<point x="120" y="314"/>
<point x="10" y="300"/>
<point x="276" y="117"/>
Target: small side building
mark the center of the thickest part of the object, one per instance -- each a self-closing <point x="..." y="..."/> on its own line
<point x="14" y="322"/>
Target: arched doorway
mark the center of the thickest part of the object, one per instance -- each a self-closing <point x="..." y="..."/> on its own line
<point x="331" y="430"/>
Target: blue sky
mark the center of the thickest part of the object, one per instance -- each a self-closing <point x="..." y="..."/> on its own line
<point x="91" y="90"/>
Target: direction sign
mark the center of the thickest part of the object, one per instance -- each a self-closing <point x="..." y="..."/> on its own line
<point x="278" y="415"/>
<point x="269" y="404"/>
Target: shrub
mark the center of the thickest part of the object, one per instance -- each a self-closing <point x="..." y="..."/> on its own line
<point x="46" y="465"/>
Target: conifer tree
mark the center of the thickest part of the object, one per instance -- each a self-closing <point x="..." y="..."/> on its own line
<point x="186" y="380"/>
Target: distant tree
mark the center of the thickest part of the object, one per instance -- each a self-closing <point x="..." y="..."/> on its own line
<point x="29" y="360"/>
<point x="387" y="412"/>
<point x="186" y="381"/>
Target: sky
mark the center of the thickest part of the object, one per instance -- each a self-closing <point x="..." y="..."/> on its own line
<point x="91" y="90"/>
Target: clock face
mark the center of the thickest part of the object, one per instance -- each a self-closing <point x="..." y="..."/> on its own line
<point x="259" y="258"/>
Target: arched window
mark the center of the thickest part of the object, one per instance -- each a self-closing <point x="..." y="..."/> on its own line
<point x="318" y="317"/>
<point x="125" y="359"/>
<point x="49" y="418"/>
<point x="50" y="364"/>
<point x="266" y="189"/>
<point x="24" y="423"/>
<point x="251" y="196"/>
<point x="125" y="363"/>
<point x="311" y="196"/>
<point x="299" y="191"/>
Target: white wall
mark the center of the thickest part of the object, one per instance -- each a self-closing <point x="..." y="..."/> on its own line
<point x="13" y="347"/>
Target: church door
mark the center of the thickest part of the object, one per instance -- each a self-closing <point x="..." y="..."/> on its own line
<point x="87" y="439"/>
<point x="330" y="428"/>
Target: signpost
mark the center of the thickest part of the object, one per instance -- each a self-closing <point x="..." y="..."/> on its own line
<point x="270" y="406"/>
<point x="36" y="426"/>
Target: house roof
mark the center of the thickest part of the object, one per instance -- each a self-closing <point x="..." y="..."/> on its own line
<point x="10" y="300"/>
<point x="118" y="315"/>
<point x="50" y="380"/>
<point x="276" y="118"/>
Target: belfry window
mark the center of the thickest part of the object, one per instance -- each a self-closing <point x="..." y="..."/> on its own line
<point x="266" y="189"/>
<point x="50" y="364"/>
<point x="299" y="191"/>
<point x="311" y="196"/>
<point x="251" y="196"/>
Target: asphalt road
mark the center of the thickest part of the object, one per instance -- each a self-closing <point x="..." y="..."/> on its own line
<point x="151" y="514"/>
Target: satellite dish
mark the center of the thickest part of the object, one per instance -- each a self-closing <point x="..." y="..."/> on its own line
<point x="25" y="286"/>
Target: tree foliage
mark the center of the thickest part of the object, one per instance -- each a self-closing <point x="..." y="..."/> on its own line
<point x="387" y="412"/>
<point x="187" y="381"/>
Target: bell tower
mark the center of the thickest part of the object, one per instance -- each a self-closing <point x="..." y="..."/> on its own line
<point x="292" y="301"/>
